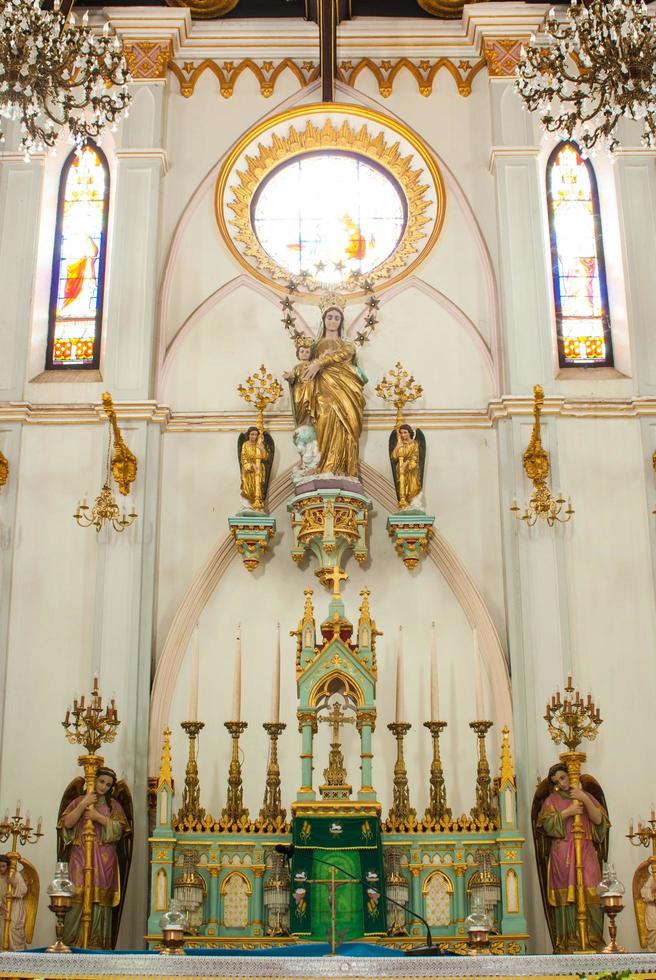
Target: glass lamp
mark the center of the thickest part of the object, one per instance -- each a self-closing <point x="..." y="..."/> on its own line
<point x="60" y="891"/>
<point x="172" y="924"/>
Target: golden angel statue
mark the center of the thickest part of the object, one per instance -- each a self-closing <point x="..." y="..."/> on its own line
<point x="255" y="449"/>
<point x="22" y="883"/>
<point x="644" y="903"/>
<point x="110" y="808"/>
<point x="407" y="448"/>
<point x="555" y="804"/>
<point x="327" y="394"/>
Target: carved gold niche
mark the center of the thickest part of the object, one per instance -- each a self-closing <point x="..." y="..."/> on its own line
<point x="389" y="144"/>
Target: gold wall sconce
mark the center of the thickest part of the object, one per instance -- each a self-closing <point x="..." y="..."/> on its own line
<point x="536" y="466"/>
<point x="122" y="464"/>
<point x="4" y="469"/>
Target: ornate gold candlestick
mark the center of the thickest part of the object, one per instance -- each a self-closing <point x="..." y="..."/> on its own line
<point x="191" y="810"/>
<point x="484" y="807"/>
<point x="18" y="829"/>
<point x="91" y="727"/>
<point x="401" y="811"/>
<point x="234" y="811"/>
<point x="569" y="721"/>
<point x="272" y="814"/>
<point x="437" y="808"/>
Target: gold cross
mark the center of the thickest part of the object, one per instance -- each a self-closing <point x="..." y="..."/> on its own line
<point x="336" y="576"/>
<point x="336" y="719"/>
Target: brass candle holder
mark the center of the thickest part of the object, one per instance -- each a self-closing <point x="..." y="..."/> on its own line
<point x="234" y="812"/>
<point x="437" y="808"/>
<point x="90" y="726"/>
<point x="272" y="814"/>
<point x="191" y="811"/>
<point x="401" y="811"/>
<point x="21" y="831"/>
<point x="484" y="808"/>
<point x="570" y="720"/>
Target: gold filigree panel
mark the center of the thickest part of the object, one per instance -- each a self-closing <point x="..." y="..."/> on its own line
<point x="502" y="55"/>
<point x="147" y="60"/>
<point x="384" y="71"/>
<point x="386" y="143"/>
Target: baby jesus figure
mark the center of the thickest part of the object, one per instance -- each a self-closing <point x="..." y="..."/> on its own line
<point x="303" y="390"/>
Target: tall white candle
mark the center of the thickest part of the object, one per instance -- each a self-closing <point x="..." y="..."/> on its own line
<point x="478" y="680"/>
<point x="275" y="690"/>
<point x="236" y="680"/>
<point x="193" y="692"/>
<point x="399" y="678"/>
<point x="434" y="690"/>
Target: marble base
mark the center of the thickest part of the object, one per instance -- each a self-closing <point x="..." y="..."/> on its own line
<point x="32" y="965"/>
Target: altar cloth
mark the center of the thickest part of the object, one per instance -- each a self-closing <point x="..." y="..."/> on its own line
<point x="31" y="965"/>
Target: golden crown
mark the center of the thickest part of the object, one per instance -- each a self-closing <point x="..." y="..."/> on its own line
<point x="329" y="300"/>
<point x="303" y="340"/>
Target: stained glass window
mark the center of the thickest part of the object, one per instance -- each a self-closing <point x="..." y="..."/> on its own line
<point x="76" y="298"/>
<point x="331" y="214"/>
<point x="577" y="260"/>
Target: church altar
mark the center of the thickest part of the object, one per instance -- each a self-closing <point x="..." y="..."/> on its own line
<point x="29" y="966"/>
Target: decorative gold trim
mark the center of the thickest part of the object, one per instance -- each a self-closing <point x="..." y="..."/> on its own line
<point x="385" y="72"/>
<point x="205" y="9"/>
<point x="446" y="9"/>
<point x="147" y="60"/>
<point x="502" y="55"/>
<point x="437" y="874"/>
<point x="165" y="775"/>
<point x="507" y="769"/>
<point x="343" y="136"/>
<point x="4" y="469"/>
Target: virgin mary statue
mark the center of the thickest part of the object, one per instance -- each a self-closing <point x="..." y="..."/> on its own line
<point x="339" y="396"/>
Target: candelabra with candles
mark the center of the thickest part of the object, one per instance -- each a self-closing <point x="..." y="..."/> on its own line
<point x="484" y="808"/>
<point x="570" y="721"/>
<point x="272" y="814"/>
<point x="123" y="465"/>
<point x="20" y="830"/>
<point x="57" y="74"/>
<point x="191" y="812"/>
<point x="536" y="466"/>
<point x="645" y="836"/>
<point x="401" y="812"/>
<point x="437" y="808"/>
<point x="234" y="812"/>
<point x="91" y="726"/>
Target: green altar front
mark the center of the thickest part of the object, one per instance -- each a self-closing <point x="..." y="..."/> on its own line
<point x="352" y="844"/>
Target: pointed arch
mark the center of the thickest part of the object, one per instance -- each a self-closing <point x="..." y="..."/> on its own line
<point x="78" y="266"/>
<point x="577" y="260"/>
<point x="210" y="574"/>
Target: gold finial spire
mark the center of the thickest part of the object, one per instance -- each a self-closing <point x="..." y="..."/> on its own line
<point x="165" y="776"/>
<point x="308" y="611"/>
<point x="507" y="771"/>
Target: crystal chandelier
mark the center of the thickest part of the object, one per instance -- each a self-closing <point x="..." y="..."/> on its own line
<point x="55" y="74"/>
<point x="599" y="67"/>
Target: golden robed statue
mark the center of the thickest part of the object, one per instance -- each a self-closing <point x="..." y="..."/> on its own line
<point x="255" y="466"/>
<point x="329" y="387"/>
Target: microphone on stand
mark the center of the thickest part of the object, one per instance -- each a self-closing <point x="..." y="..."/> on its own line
<point x="287" y="850"/>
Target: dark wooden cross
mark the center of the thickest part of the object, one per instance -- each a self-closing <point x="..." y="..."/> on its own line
<point x="328" y="14"/>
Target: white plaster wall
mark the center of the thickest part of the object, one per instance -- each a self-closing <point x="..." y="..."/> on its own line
<point x="579" y="597"/>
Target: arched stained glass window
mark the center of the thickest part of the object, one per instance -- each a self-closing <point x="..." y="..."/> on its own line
<point x="577" y="261"/>
<point x="78" y="272"/>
